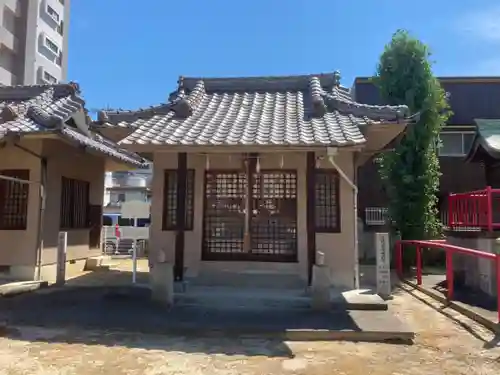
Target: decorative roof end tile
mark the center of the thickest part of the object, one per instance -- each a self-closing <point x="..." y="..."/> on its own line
<point x="75" y="86"/>
<point x="316" y="92"/>
<point x="8" y="114"/>
<point x="38" y="115"/>
<point x="336" y="78"/>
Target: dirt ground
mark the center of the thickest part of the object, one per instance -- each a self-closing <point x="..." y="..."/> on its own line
<point x="445" y="344"/>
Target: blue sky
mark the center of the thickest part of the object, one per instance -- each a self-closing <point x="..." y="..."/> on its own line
<point x="128" y="56"/>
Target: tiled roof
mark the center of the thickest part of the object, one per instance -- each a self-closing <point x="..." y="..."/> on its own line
<point x="47" y="109"/>
<point x="487" y="138"/>
<point x="293" y="110"/>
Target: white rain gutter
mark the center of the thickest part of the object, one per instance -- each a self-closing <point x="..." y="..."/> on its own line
<point x="331" y="152"/>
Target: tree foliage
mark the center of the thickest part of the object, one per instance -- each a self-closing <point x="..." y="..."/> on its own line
<point x="411" y="172"/>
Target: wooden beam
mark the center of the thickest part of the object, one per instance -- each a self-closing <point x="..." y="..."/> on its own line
<point x="310" y="208"/>
<point x="250" y="163"/>
<point x="180" y="215"/>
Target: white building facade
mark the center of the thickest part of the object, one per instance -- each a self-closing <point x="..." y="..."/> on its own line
<point x="33" y="41"/>
<point x="126" y="186"/>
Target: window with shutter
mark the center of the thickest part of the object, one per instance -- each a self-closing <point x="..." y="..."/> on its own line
<point x="74" y="212"/>
<point x="326" y="201"/>
<point x="14" y="200"/>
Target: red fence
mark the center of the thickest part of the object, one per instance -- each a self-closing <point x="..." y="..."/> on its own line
<point x="474" y="209"/>
<point x="450" y="251"/>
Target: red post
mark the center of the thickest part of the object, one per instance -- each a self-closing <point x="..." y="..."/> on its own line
<point x="497" y="261"/>
<point x="484" y="211"/>
<point x="450" y="211"/>
<point x="449" y="274"/>
<point x="467" y="210"/>
<point x="419" y="265"/>
<point x="489" y="211"/>
<point x="399" y="259"/>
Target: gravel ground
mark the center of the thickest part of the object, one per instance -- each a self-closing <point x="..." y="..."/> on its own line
<point x="444" y="345"/>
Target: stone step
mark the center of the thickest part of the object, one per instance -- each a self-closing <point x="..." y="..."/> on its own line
<point x="259" y="298"/>
<point x="264" y="280"/>
<point x="231" y="297"/>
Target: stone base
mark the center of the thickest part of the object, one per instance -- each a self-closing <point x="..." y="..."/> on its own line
<point x="475" y="273"/>
<point x="320" y="288"/>
<point x="162" y="283"/>
<point x="20" y="287"/>
<point x="360" y="299"/>
<point x="92" y="264"/>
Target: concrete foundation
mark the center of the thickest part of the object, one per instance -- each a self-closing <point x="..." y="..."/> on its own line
<point x="473" y="272"/>
<point x="162" y="283"/>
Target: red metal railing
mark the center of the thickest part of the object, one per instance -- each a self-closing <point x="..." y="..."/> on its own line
<point x="450" y="250"/>
<point x="473" y="209"/>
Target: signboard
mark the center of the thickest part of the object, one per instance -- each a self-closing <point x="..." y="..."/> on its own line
<point x="135" y="209"/>
<point x="383" y="264"/>
<point x="62" y="245"/>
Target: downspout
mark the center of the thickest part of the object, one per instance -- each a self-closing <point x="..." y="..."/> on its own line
<point x="354" y="188"/>
<point x="41" y="216"/>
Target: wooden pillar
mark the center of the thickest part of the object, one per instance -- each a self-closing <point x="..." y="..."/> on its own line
<point x="250" y="163"/>
<point x="180" y="215"/>
<point x="310" y="213"/>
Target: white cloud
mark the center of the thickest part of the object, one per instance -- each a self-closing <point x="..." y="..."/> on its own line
<point x="481" y="24"/>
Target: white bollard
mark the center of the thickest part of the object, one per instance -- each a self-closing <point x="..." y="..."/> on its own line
<point x="134" y="261"/>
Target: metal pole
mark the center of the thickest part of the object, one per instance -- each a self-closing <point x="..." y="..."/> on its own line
<point x="134" y="259"/>
<point x="41" y="218"/>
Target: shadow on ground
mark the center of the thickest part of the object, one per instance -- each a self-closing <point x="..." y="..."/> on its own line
<point x="469" y="296"/>
<point x="115" y="312"/>
<point x="108" y="277"/>
<point x="443" y="309"/>
<point x="229" y="346"/>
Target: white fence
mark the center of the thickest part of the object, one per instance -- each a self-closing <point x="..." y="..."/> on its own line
<point x="376" y="215"/>
<point x="123" y="245"/>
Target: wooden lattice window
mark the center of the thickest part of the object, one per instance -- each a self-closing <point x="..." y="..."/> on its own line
<point x="326" y="201"/>
<point x="14" y="200"/>
<point x="74" y="212"/>
<point x="170" y="200"/>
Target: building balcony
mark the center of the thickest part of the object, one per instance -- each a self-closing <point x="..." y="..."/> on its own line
<point x="127" y="181"/>
<point x="9" y="40"/>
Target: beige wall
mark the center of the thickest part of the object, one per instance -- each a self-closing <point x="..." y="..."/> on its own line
<point x="19" y="248"/>
<point x="78" y="165"/>
<point x="338" y="247"/>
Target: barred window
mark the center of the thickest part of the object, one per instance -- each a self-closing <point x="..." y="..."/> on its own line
<point x="326" y="201"/>
<point x="14" y="200"/>
<point x="170" y="200"/>
<point x="74" y="204"/>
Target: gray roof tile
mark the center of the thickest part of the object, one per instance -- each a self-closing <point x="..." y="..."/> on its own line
<point x="295" y="110"/>
<point x="47" y="108"/>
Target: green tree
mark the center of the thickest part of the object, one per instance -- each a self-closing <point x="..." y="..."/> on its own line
<point x="411" y="172"/>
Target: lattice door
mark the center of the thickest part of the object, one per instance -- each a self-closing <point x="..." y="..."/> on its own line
<point x="274" y="216"/>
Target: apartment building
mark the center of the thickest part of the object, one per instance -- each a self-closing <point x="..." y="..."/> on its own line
<point x="33" y="41"/>
<point x="126" y="186"/>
